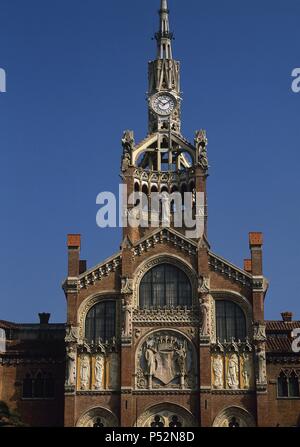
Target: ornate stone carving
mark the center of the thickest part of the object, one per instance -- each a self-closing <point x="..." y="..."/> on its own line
<point x="128" y="146"/>
<point x="201" y="144"/>
<point x="203" y="285"/>
<point x="261" y="366"/>
<point x="233" y="372"/>
<point x="168" y="235"/>
<point x="99" y="372"/>
<point x="71" y="366"/>
<point x="126" y="285"/>
<point x="259" y="332"/>
<point x="127" y="319"/>
<point x="218" y="372"/>
<point x="161" y="316"/>
<point x="99" y="272"/>
<point x="72" y="334"/>
<point x="114" y="371"/>
<point x="84" y="372"/>
<point x="205" y="315"/>
<point x="229" y="270"/>
<point x="165" y="359"/>
<point x="246" y="369"/>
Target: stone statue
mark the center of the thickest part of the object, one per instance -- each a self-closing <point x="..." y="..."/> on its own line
<point x="204" y="309"/>
<point x="99" y="372"/>
<point x="218" y="370"/>
<point x="128" y="140"/>
<point x="181" y="359"/>
<point x="150" y="356"/>
<point x="233" y="372"/>
<point x="201" y="143"/>
<point x="127" y="310"/>
<point x="128" y="145"/>
<point x="71" y="366"/>
<point x="246" y="373"/>
<point x="261" y="362"/>
<point x="114" y="371"/>
<point x="84" y="372"/>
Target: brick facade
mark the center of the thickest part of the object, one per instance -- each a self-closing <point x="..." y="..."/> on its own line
<point x="208" y="359"/>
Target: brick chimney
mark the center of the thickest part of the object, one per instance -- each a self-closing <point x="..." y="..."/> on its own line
<point x="73" y="243"/>
<point x="44" y="318"/>
<point x="248" y="265"/>
<point x="287" y="316"/>
<point x="256" y="243"/>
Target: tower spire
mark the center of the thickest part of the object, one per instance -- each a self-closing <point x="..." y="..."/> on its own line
<point x="164" y="36"/>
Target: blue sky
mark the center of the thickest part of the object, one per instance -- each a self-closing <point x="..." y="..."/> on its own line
<point x="77" y="77"/>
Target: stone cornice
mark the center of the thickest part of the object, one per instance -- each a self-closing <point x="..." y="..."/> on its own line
<point x="99" y="271"/>
<point x="162" y="392"/>
<point x="162" y="235"/>
<point x="230" y="270"/>
<point x="281" y="358"/>
<point x="17" y="360"/>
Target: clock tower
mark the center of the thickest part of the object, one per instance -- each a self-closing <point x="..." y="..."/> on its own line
<point x="164" y="80"/>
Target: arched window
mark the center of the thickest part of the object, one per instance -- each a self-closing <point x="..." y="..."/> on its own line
<point x="27" y="386"/>
<point x="293" y="385"/>
<point x="100" y="323"/>
<point x="288" y="384"/>
<point x="165" y="285"/>
<point x="38" y="386"/>
<point x="231" y="322"/>
<point x="282" y="385"/>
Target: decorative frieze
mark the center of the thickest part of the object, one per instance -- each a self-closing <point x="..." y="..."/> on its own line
<point x="173" y="316"/>
<point x="166" y="178"/>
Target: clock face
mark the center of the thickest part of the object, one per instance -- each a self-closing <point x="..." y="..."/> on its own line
<point x="164" y="104"/>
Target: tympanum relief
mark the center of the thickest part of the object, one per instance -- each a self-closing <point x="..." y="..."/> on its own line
<point x="165" y="360"/>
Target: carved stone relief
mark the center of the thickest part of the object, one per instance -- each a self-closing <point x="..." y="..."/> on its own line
<point x="259" y="332"/>
<point x="71" y="366"/>
<point x="126" y="285"/>
<point x="84" y="372"/>
<point x="114" y="371"/>
<point x="99" y="372"/>
<point x="261" y="366"/>
<point x="205" y="312"/>
<point x="165" y="360"/>
<point x="232" y="366"/>
<point x="218" y="372"/>
<point x="233" y="372"/>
